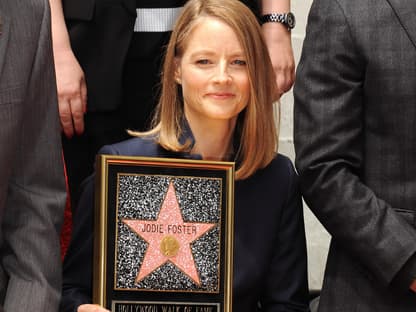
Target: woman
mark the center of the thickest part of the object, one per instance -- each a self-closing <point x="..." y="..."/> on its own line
<point x="216" y="104"/>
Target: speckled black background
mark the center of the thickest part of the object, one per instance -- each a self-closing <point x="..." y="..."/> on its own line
<point x="140" y="197"/>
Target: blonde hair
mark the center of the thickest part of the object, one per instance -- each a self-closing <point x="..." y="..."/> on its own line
<point x="256" y="127"/>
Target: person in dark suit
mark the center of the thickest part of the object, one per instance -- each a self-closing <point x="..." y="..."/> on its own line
<point x="218" y="75"/>
<point x="355" y="141"/>
<point x="108" y="53"/>
<point x="32" y="184"/>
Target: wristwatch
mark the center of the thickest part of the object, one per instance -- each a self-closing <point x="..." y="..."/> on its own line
<point x="287" y="19"/>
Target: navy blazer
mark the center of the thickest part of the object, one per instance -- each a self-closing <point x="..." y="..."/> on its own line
<point x="270" y="264"/>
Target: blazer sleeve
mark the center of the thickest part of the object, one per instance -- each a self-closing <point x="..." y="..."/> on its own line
<point x="287" y="282"/>
<point x="78" y="262"/>
<point x="329" y="140"/>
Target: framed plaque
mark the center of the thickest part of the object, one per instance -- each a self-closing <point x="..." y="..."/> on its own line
<point x="163" y="234"/>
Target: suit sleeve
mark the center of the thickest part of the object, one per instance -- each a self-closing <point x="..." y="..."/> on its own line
<point x="329" y="140"/>
<point x="36" y="192"/>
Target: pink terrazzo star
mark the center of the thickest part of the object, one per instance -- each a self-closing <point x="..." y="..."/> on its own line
<point x="169" y="238"/>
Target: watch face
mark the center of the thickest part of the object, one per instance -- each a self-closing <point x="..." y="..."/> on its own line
<point x="290" y="20"/>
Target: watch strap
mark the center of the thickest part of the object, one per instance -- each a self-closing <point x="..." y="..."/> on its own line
<point x="287" y="19"/>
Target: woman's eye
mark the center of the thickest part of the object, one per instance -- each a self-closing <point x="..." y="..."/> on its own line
<point x="203" y="62"/>
<point x="239" y="62"/>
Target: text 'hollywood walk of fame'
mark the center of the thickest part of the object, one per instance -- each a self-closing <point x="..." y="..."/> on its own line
<point x="162" y="308"/>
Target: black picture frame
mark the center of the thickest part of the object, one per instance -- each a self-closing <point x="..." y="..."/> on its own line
<point x="163" y="234"/>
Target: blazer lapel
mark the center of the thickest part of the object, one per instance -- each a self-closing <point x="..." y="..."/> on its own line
<point x="406" y="13"/>
<point x="4" y="38"/>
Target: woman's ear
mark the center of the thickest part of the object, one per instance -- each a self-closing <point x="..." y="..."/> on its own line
<point x="178" y="74"/>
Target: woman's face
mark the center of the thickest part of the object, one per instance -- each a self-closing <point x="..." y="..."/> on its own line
<point x="213" y="73"/>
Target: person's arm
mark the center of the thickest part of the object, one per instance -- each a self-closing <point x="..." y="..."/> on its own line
<point x="286" y="288"/>
<point x="329" y="136"/>
<point x="78" y="263"/>
<point x="35" y="191"/>
<point x="72" y="90"/>
<point x="278" y="39"/>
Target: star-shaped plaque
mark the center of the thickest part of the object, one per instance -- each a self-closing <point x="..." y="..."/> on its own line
<point x="169" y="238"/>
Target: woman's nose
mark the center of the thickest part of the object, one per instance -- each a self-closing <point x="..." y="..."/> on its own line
<point x="222" y="73"/>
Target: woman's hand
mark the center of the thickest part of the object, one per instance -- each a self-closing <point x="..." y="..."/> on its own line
<point x="91" y="308"/>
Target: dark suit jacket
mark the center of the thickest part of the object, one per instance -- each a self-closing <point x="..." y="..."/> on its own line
<point x="32" y="183"/>
<point x="270" y="264"/>
<point x="355" y="140"/>
<point x="100" y="33"/>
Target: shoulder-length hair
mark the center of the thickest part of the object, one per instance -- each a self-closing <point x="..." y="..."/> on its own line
<point x="256" y="128"/>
